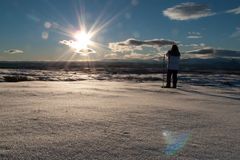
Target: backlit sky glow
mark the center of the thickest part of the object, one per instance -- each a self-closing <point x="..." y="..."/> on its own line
<point x="126" y="29"/>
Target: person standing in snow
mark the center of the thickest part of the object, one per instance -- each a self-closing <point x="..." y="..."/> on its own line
<point x="173" y="66"/>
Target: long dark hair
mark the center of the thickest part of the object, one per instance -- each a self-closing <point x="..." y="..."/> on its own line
<point x="175" y="51"/>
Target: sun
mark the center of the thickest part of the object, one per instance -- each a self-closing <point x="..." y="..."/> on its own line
<point x="83" y="40"/>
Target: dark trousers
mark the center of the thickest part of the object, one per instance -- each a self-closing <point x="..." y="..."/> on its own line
<point x="172" y="74"/>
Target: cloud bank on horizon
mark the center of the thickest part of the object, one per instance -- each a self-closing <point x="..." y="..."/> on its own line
<point x="209" y="52"/>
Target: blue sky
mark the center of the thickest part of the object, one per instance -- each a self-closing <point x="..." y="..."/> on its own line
<point x="32" y="30"/>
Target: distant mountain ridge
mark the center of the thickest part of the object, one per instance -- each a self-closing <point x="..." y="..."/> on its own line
<point x="118" y="65"/>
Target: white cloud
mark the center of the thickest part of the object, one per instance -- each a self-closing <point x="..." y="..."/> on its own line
<point x="73" y="45"/>
<point x="194" y="45"/>
<point x="212" y="52"/>
<point x="194" y="35"/>
<point x="67" y="42"/>
<point x="188" y="11"/>
<point x="115" y="47"/>
<point x="132" y="48"/>
<point x="111" y="55"/>
<point x="235" y="10"/>
<point x="14" y="51"/>
<point x="133" y="55"/>
<point x="137" y="56"/>
<point x="133" y="44"/>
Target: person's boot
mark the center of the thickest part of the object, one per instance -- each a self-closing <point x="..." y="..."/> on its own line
<point x="168" y="80"/>
<point x="174" y="85"/>
<point x="167" y="86"/>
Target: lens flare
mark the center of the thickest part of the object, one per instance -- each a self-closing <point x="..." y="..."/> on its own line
<point x="175" y="142"/>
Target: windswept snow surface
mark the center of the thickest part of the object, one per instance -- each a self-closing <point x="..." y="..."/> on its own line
<point x="105" y="119"/>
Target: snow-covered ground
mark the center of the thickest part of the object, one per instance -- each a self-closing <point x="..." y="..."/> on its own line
<point x="95" y="119"/>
